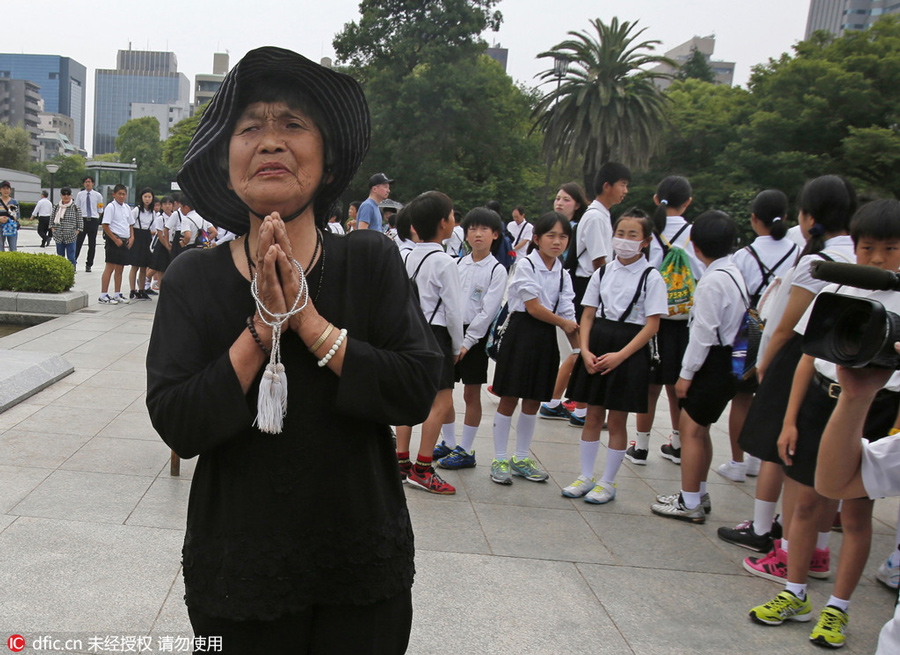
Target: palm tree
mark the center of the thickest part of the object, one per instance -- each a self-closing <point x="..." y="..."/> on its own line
<point x="607" y="105"/>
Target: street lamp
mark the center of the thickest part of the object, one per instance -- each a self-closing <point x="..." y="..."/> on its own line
<point x="560" y="68"/>
<point x="51" y="168"/>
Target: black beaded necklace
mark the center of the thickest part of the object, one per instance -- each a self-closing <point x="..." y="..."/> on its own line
<point x="319" y="244"/>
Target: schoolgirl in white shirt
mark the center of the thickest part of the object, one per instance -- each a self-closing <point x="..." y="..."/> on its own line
<point x="623" y="304"/>
<point x="140" y="252"/>
<point x="540" y="298"/>
<point x="673" y="197"/>
<point x="769" y="256"/>
<point x="482" y="281"/>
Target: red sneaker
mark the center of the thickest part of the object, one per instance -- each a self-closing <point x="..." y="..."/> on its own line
<point x="569" y="405"/>
<point x="430" y="482"/>
<point x="820" y="566"/>
<point x="771" y="567"/>
<point x="491" y="391"/>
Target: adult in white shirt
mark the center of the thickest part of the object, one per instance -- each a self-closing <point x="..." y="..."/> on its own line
<point x="90" y="203"/>
<point x="42" y="212"/>
<point x="520" y="231"/>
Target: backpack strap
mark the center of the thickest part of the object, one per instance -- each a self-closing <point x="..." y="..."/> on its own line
<point x="416" y="273"/>
<point x="743" y="299"/>
<point x="666" y="244"/>
<point x="642" y="286"/>
<point x="522" y="229"/>
<point x="764" y="270"/>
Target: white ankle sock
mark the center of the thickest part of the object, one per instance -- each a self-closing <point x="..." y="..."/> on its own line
<point x="676" y="439"/>
<point x="613" y="464"/>
<point x="468" y="437"/>
<point x="554" y="403"/>
<point x="691" y="498"/>
<point x="448" y="434"/>
<point x="840" y="603"/>
<point x="501" y="435"/>
<point x="524" y="434"/>
<point x="641" y="440"/>
<point x="799" y="590"/>
<point x="763" y="516"/>
<point x="589" y="450"/>
<point x="822" y="540"/>
<point x="580" y="413"/>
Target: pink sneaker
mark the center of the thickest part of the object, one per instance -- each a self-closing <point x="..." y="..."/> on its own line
<point x="771" y="567"/>
<point x="820" y="566"/>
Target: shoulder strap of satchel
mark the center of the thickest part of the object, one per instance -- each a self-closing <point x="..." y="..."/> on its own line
<point x="642" y="284"/>
<point x="521" y="229"/>
<point x="743" y="299"/>
<point x="562" y="271"/>
<point x="416" y="273"/>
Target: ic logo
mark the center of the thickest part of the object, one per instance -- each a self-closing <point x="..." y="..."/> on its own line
<point x="16" y="643"/>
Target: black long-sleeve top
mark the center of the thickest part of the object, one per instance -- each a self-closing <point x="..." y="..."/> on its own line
<point x="317" y="513"/>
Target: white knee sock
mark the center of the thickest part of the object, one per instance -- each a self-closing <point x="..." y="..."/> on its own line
<point x="524" y="434"/>
<point x="448" y="434"/>
<point x="589" y="450"/>
<point x="784" y="545"/>
<point x="763" y="516"/>
<point x="468" y="437"/>
<point x="703" y="488"/>
<point x="501" y="435"/>
<point x="822" y="540"/>
<point x="613" y="464"/>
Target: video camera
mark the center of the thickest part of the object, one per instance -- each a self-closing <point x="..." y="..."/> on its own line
<point x="853" y="332"/>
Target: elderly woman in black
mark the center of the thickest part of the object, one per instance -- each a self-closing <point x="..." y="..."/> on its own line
<point x="298" y="537"/>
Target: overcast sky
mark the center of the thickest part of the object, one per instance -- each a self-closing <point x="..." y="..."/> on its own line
<point x="747" y="33"/>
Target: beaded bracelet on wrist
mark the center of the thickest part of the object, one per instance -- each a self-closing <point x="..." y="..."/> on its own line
<point x="334" y="348"/>
<point x="255" y="336"/>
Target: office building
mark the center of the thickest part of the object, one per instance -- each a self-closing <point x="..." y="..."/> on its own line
<point x="206" y="84"/>
<point x="835" y="16"/>
<point x="498" y="54"/>
<point x="62" y="82"/>
<point x="723" y="71"/>
<point x="20" y="106"/>
<point x="141" y="78"/>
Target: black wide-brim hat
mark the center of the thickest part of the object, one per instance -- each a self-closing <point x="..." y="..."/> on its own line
<point x="340" y="100"/>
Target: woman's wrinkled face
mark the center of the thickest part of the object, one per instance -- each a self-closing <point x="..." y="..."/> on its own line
<point x="275" y="158"/>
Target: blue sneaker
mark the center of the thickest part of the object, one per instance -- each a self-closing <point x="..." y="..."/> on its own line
<point x="441" y="451"/>
<point x="559" y="412"/>
<point x="576" y="421"/>
<point x="458" y="459"/>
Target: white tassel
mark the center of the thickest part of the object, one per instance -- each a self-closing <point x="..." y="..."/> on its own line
<point x="270" y="415"/>
<point x="282" y="380"/>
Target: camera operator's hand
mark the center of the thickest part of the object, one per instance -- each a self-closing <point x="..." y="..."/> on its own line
<point x="860" y="383"/>
<point x="787" y="443"/>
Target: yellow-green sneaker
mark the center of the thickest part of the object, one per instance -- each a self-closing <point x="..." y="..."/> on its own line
<point x="784" y="607"/>
<point x="829" y="631"/>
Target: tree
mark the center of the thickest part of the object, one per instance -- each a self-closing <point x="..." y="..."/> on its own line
<point x="176" y="146"/>
<point x="444" y="115"/>
<point x="401" y="34"/>
<point x="607" y="106"/>
<point x="71" y="171"/>
<point x="15" y="147"/>
<point x="696" y="67"/>
<point x="138" y="141"/>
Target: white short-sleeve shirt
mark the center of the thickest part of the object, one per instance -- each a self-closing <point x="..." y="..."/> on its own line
<point x="593" y="238"/>
<point x="520" y="232"/>
<point x="614" y="286"/>
<point x="119" y="218"/>
<point x="552" y="287"/>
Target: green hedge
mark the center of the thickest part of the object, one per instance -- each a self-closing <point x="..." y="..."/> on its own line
<point x="23" y="271"/>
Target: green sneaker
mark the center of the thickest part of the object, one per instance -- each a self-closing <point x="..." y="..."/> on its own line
<point x="500" y="471"/>
<point x="784" y="607"/>
<point x="526" y="468"/>
<point x="829" y="631"/>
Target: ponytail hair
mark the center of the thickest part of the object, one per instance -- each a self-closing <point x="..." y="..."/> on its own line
<point x="830" y="200"/>
<point x="770" y="208"/>
<point x="673" y="191"/>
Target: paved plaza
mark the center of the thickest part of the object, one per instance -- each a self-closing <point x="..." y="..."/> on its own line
<point x="92" y="524"/>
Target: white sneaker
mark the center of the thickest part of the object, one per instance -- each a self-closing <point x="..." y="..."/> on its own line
<point x="579" y="488"/>
<point x="888" y="575"/>
<point x="732" y="471"/>
<point x="753" y="464"/>
<point x="122" y="300"/>
<point x="601" y="494"/>
<point x="107" y="300"/>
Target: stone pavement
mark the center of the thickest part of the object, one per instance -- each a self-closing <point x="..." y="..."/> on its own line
<point x="92" y="525"/>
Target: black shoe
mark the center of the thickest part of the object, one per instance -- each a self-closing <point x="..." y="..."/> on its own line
<point x="87" y="269"/>
<point x="150" y="292"/>
<point x="776" y="528"/>
<point x="636" y="456"/>
<point x="670" y="453"/>
<point x="743" y="535"/>
<point x="132" y="295"/>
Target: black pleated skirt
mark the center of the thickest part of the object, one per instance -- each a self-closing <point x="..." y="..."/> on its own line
<point x="623" y="389"/>
<point x="528" y="360"/>
<point x="672" y="341"/>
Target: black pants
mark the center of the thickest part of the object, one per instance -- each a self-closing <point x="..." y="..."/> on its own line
<point x="378" y="629"/>
<point x="43" y="230"/>
<point x="89" y="231"/>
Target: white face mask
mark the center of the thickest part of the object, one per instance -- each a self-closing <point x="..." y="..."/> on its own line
<point x="626" y="248"/>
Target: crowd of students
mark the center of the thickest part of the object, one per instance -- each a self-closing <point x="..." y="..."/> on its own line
<point x="646" y="303"/>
